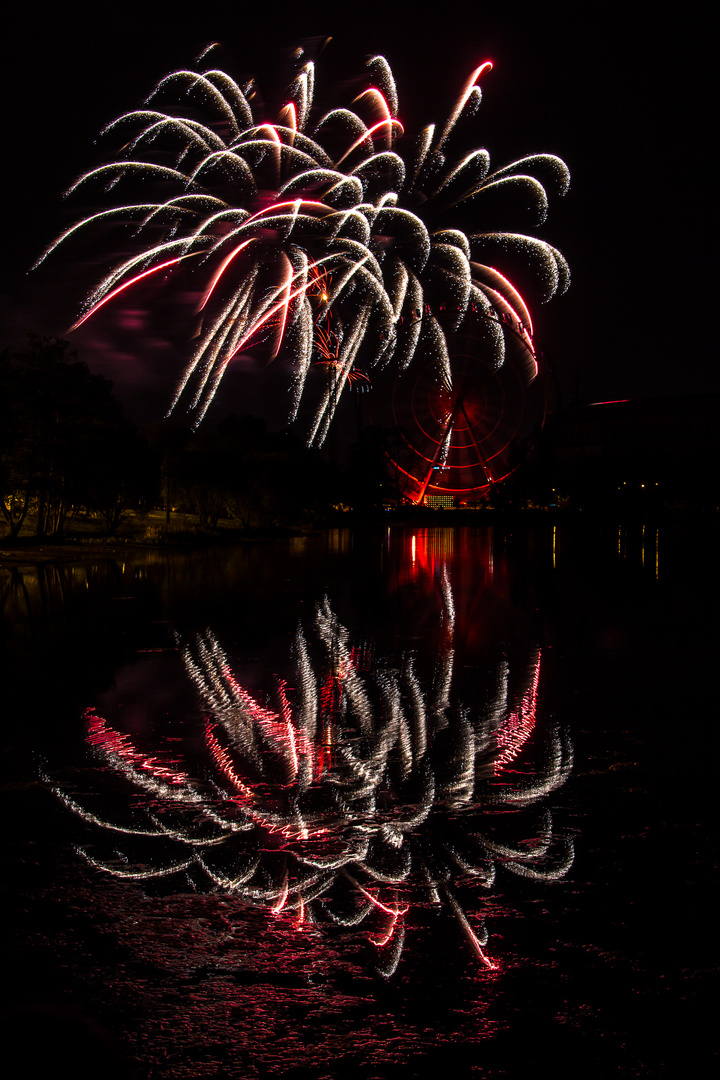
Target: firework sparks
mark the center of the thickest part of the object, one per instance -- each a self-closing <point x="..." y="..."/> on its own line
<point x="315" y="229"/>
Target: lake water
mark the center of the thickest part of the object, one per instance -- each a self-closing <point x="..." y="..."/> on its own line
<point x="367" y="804"/>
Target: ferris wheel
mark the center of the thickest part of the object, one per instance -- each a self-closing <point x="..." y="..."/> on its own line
<point x="464" y="425"/>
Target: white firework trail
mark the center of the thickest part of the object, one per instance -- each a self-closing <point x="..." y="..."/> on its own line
<point x="394" y="223"/>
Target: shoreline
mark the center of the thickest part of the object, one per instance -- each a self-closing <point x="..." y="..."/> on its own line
<point x="88" y="548"/>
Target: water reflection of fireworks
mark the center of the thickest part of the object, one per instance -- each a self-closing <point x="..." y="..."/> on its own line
<point x="360" y="789"/>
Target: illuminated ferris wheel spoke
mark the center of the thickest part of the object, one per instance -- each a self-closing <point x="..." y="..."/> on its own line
<point x="476" y="444"/>
<point x="441" y="448"/>
<point x="447" y="442"/>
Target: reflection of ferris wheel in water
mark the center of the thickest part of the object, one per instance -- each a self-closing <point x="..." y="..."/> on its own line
<point x="464" y="425"/>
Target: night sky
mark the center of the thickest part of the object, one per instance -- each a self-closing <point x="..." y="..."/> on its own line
<point x="618" y="91"/>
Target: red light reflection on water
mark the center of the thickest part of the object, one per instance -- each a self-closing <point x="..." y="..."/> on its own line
<point x="118" y="745"/>
<point x="224" y="763"/>
<point x="517" y="728"/>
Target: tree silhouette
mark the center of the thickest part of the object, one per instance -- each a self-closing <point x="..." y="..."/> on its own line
<point x="64" y="443"/>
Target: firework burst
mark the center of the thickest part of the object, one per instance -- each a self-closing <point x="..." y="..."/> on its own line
<point x="313" y="230"/>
